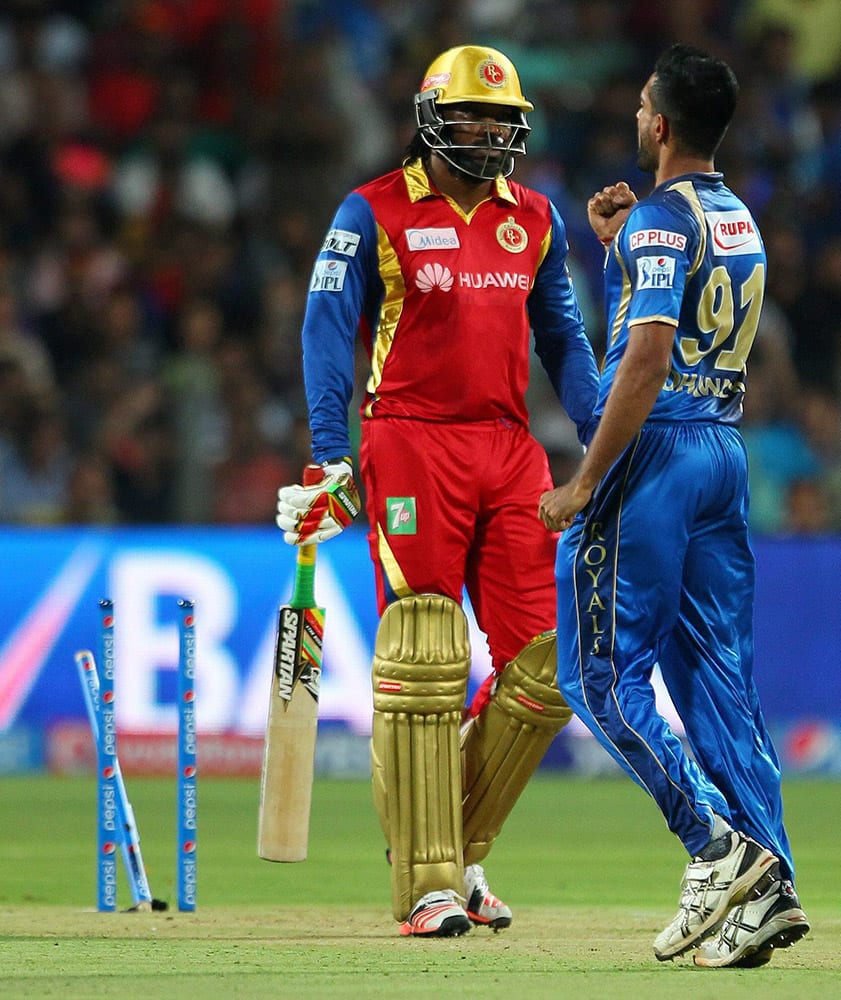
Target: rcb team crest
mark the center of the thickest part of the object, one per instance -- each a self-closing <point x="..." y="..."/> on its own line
<point x="512" y="237"/>
<point x="492" y="74"/>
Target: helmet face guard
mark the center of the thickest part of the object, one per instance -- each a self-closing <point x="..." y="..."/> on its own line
<point x="458" y="86"/>
<point x="503" y="140"/>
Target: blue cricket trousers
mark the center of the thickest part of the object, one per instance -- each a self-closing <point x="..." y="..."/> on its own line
<point x="658" y="570"/>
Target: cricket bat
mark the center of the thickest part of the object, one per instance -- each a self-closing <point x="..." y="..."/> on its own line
<point x="289" y="752"/>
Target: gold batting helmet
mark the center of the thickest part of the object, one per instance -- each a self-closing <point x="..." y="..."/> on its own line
<point x="473" y="75"/>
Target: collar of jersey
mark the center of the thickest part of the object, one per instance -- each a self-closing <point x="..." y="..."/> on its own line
<point x="419" y="186"/>
<point x="699" y="177"/>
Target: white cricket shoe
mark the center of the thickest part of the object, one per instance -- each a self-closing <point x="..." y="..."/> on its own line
<point x="482" y="906"/>
<point x="769" y="918"/>
<point x="437" y="914"/>
<point x="708" y="890"/>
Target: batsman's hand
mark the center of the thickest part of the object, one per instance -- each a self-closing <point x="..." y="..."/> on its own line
<point x="311" y="514"/>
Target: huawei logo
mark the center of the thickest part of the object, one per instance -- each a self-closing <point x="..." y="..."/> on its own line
<point x="434" y="276"/>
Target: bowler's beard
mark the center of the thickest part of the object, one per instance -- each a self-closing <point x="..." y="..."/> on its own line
<point x="646" y="160"/>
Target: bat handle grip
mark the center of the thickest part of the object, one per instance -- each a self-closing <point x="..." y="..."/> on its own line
<point x="303" y="595"/>
<point x="313" y="474"/>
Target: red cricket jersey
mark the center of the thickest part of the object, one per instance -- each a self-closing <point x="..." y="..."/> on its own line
<point x="445" y="303"/>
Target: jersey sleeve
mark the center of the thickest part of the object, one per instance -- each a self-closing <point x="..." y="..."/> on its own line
<point x="658" y="250"/>
<point x="559" y="337"/>
<point x="340" y="285"/>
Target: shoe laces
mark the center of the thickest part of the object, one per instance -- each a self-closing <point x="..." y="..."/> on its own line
<point x="451" y="894"/>
<point x="477" y="875"/>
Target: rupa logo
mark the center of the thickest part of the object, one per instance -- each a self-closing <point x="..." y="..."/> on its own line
<point x="434" y="276"/>
<point x="733" y="233"/>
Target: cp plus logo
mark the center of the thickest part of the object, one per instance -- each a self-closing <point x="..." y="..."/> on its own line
<point x="434" y="276"/>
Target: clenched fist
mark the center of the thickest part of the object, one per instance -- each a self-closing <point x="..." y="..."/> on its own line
<point x="608" y="209"/>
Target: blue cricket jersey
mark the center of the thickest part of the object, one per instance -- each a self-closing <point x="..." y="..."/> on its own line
<point x="689" y="255"/>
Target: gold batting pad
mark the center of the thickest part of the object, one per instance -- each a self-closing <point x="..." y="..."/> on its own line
<point x="421" y="663"/>
<point x="503" y="745"/>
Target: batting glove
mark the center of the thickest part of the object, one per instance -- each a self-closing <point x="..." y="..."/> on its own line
<point x="311" y="514"/>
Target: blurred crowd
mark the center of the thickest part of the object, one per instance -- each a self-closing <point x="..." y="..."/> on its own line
<point x="168" y="169"/>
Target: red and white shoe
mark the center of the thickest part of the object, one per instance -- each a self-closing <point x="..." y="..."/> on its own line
<point x="483" y="907"/>
<point x="437" y="914"/>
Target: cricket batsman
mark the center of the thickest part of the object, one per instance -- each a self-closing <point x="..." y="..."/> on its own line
<point x="445" y="268"/>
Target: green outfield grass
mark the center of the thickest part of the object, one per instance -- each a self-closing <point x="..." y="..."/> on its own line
<point x="588" y="868"/>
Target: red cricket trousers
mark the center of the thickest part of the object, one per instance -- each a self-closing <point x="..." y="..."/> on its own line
<point x="454" y="507"/>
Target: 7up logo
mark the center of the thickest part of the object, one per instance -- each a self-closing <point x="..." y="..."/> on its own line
<point x="401" y="516"/>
